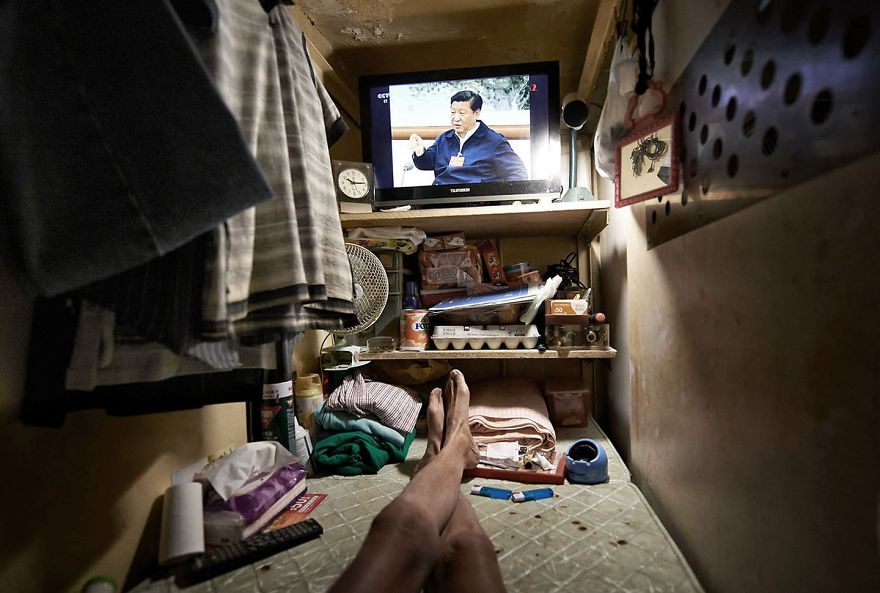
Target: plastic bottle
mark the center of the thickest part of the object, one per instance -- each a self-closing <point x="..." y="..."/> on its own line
<point x="411" y="298"/>
<point x="309" y="394"/>
<point x="276" y="409"/>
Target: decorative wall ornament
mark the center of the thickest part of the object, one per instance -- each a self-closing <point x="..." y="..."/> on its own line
<point x="647" y="162"/>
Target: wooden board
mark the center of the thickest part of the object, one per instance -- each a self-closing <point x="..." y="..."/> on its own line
<point x="527" y="476"/>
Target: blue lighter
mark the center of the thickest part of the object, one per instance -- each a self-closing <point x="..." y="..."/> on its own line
<point x="499" y="493"/>
<point x="533" y="494"/>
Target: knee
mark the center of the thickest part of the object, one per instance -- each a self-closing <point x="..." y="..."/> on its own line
<point x="405" y="527"/>
<point x="470" y="542"/>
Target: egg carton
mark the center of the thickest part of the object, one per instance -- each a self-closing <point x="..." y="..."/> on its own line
<point x="492" y="336"/>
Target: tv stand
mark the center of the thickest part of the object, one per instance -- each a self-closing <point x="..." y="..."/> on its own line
<point x="464" y="200"/>
<point x="584" y="219"/>
<point x="477" y="203"/>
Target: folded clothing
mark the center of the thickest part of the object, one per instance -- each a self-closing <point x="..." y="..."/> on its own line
<point x="345" y="422"/>
<point x="391" y="405"/>
<point x="354" y="452"/>
<point x="511" y="409"/>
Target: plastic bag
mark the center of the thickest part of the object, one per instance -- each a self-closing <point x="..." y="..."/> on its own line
<point x="612" y="125"/>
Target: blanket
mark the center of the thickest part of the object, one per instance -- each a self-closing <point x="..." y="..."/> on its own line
<point x="511" y="409"/>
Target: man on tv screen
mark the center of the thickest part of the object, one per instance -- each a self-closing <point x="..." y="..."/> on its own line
<point x="470" y="152"/>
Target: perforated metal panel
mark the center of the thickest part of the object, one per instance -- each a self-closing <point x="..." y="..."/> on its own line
<point x="780" y="92"/>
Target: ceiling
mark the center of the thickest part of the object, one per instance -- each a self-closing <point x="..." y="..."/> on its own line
<point x="350" y="38"/>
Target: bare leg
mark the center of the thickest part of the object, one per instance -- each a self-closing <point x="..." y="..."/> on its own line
<point x="467" y="558"/>
<point x="403" y="544"/>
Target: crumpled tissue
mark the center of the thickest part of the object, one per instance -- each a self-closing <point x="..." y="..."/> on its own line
<point x="249" y="465"/>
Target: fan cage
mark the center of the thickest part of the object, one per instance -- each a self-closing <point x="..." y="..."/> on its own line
<point x="370" y="282"/>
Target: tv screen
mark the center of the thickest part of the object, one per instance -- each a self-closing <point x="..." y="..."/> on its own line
<point x="466" y="135"/>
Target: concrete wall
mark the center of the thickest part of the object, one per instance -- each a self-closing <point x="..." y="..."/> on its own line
<point x="749" y="404"/>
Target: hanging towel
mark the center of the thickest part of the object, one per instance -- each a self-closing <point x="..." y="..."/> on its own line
<point x="354" y="452"/>
<point x="511" y="409"/>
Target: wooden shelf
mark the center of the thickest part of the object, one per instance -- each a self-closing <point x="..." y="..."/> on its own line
<point x="568" y="219"/>
<point x="466" y="353"/>
<point x="523" y="220"/>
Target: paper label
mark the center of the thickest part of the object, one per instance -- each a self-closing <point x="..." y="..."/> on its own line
<point x="278" y="390"/>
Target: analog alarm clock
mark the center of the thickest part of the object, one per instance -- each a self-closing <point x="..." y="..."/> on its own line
<point x="353" y="181"/>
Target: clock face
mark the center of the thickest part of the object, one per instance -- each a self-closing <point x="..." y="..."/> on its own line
<point x="353" y="183"/>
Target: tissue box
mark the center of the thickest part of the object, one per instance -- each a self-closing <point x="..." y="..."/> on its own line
<point x="250" y="509"/>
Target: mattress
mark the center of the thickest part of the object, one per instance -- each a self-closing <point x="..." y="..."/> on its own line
<point x="600" y="539"/>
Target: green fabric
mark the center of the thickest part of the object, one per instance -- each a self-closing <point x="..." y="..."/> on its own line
<point x="353" y="453"/>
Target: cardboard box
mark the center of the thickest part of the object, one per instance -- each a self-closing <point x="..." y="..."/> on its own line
<point x="566" y="307"/>
<point x="568" y="401"/>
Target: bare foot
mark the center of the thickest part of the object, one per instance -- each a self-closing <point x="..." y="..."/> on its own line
<point x="436" y="418"/>
<point x="457" y="397"/>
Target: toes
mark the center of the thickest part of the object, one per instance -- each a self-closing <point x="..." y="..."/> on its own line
<point x="435" y="412"/>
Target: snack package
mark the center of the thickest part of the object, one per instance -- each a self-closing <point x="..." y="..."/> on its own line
<point x="492" y="260"/>
<point x="444" y="242"/>
<point x="450" y="269"/>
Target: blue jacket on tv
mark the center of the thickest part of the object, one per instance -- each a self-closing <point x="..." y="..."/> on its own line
<point x="487" y="157"/>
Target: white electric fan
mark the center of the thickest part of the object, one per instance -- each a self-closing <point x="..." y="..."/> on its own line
<point x="370" y="283"/>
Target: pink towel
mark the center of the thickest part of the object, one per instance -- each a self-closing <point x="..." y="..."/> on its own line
<point x="511" y="409"/>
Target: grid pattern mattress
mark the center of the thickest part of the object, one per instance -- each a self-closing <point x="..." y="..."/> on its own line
<point x="599" y="539"/>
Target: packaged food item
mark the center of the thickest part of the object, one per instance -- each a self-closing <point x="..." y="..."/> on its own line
<point x="492" y="261"/>
<point x="450" y="269"/>
<point x="491" y="336"/>
<point x="518" y="268"/>
<point x="444" y="242"/>
<point x="531" y="277"/>
<point x="414" y="332"/>
<point x="567" y="307"/>
<point x="514" y="273"/>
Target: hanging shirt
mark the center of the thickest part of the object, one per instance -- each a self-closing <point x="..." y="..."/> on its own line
<point x="116" y="146"/>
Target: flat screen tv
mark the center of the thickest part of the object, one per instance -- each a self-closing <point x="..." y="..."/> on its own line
<point x="413" y="123"/>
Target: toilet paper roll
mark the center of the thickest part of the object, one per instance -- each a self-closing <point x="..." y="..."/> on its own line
<point x="183" y="533"/>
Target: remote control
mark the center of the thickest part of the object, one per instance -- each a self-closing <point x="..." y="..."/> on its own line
<point x="227" y="558"/>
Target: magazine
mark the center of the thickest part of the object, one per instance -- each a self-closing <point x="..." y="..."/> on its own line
<point x="514" y="296"/>
<point x="296" y="512"/>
